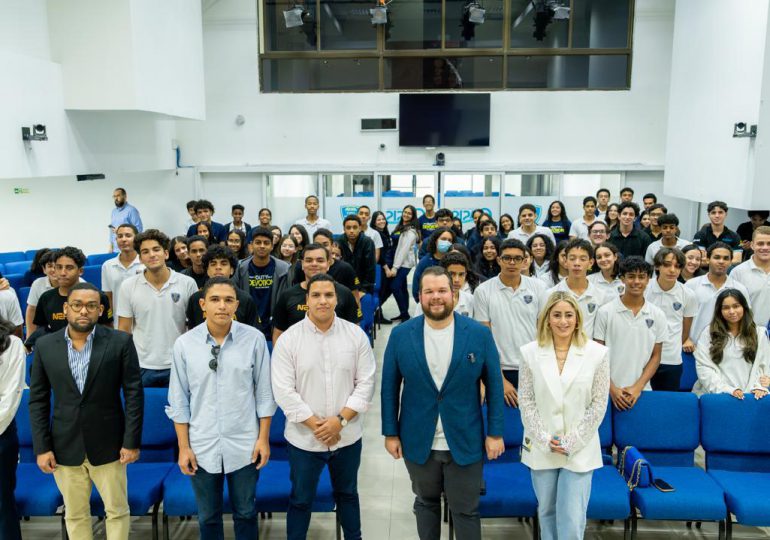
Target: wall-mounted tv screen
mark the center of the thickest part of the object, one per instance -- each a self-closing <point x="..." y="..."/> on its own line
<point x="443" y="120"/>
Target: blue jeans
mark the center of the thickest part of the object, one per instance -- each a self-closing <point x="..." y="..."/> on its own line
<point x="9" y="455"/>
<point x="305" y="470"/>
<point x="562" y="500"/>
<point x="242" y="487"/>
<point x="400" y="293"/>
<point x="155" y="378"/>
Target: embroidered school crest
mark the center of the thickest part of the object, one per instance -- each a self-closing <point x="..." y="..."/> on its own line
<point x="649" y="322"/>
<point x="175" y="297"/>
<point x="621" y="288"/>
<point x="677" y="306"/>
<point x="527" y="298"/>
<point x="591" y="307"/>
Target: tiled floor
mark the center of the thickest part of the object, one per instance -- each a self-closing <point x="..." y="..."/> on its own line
<point x="386" y="503"/>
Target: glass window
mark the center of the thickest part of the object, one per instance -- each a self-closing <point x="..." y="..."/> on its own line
<point x="280" y="38"/>
<point x="349" y="185"/>
<point x="346" y="24"/>
<point x="464" y="34"/>
<point x="584" y="184"/>
<point x="318" y="74"/>
<point x="532" y="184"/>
<point x="551" y="35"/>
<point x="413" y="24"/>
<point x="471" y="185"/>
<point x="575" y="71"/>
<point x="600" y="24"/>
<point x="444" y="72"/>
<point x="397" y="184"/>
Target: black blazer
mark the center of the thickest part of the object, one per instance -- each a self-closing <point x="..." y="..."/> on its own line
<point x="92" y="425"/>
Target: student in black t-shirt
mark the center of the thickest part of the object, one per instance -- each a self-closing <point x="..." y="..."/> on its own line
<point x="341" y="271"/>
<point x="196" y="249"/>
<point x="220" y="261"/>
<point x="716" y="231"/>
<point x="757" y="218"/>
<point x="291" y="306"/>
<point x="49" y="315"/>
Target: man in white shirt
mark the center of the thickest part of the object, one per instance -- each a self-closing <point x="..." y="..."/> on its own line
<point x="10" y="310"/>
<point x="602" y="203"/>
<point x="669" y="225"/>
<point x="754" y="274"/>
<point x="312" y="221"/>
<point x="153" y="307"/>
<point x="527" y="226"/>
<point x="580" y="226"/>
<point x="679" y="305"/>
<point x="634" y="330"/>
<point x="323" y="378"/>
<point x="708" y="286"/>
<point x="580" y="257"/>
<point x="365" y="214"/>
<point x="509" y="304"/>
<point x="125" y="265"/>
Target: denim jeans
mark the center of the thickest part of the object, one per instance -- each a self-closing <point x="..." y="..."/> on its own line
<point x="400" y="292"/>
<point x="667" y="378"/>
<point x="155" y="378"/>
<point x="242" y="488"/>
<point x="9" y="456"/>
<point x="305" y="471"/>
<point x="562" y="500"/>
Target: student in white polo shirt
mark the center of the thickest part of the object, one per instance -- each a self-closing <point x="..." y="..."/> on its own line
<point x="580" y="226"/>
<point x="580" y="257"/>
<point x="679" y="305"/>
<point x="634" y="329"/>
<point x="528" y="227"/>
<point x="707" y="286"/>
<point x="152" y="306"/>
<point x="509" y="304"/>
<point x="754" y="274"/>
<point x="125" y="265"/>
<point x="669" y="225"/>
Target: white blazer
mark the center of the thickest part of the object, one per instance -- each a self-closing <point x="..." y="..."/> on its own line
<point x="571" y="405"/>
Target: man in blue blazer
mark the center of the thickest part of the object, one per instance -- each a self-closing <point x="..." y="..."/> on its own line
<point x="436" y="423"/>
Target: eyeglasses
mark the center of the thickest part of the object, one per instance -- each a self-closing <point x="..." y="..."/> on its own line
<point x="91" y="307"/>
<point x="213" y="364"/>
<point x="508" y="259"/>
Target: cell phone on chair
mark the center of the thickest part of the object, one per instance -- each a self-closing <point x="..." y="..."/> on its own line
<point x="662" y="485"/>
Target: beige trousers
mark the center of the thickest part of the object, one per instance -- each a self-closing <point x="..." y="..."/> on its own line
<point x="75" y="486"/>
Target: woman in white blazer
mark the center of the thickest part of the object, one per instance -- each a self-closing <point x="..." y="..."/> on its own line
<point x="733" y="353"/>
<point x="563" y="390"/>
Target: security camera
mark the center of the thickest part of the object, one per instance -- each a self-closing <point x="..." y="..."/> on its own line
<point x="382" y="146"/>
<point x="439" y="159"/>
<point x="740" y="130"/>
<point x="36" y="133"/>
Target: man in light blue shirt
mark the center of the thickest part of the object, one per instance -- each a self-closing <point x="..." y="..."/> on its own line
<point x="122" y="213"/>
<point x="221" y="402"/>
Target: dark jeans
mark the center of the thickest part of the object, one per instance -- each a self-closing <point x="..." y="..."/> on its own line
<point x="462" y="486"/>
<point x="667" y="378"/>
<point x="385" y="287"/>
<point x="241" y="486"/>
<point x="9" y="456"/>
<point x="155" y="378"/>
<point x="400" y="292"/>
<point x="305" y="471"/>
<point x="512" y="376"/>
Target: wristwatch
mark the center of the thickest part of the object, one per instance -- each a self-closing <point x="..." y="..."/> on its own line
<point x="343" y="420"/>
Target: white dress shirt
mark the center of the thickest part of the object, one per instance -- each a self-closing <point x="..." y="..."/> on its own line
<point x="311" y="228"/>
<point x="320" y="373"/>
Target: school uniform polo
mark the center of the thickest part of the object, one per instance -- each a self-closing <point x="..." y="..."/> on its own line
<point x="757" y="282"/>
<point x="677" y="303"/>
<point x="590" y="302"/>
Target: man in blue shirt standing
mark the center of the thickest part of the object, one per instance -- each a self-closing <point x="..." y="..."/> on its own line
<point x="221" y="402"/>
<point x="122" y="213"/>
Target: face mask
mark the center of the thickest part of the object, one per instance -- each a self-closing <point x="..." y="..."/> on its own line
<point x="443" y="246"/>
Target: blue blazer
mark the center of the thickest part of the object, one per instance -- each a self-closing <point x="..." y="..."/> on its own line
<point x="413" y="417"/>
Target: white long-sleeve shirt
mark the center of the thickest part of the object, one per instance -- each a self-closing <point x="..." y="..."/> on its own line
<point x="12" y="364"/>
<point x="320" y="373"/>
<point x="733" y="372"/>
<point x="404" y="256"/>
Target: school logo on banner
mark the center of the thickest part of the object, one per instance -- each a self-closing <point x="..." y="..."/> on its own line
<point x="527" y="298"/>
<point x="677" y="306"/>
<point x="649" y="322"/>
<point x="591" y="307"/>
<point x="348" y="210"/>
<point x="175" y="297"/>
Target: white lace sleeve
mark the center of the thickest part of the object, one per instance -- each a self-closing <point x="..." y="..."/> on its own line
<point x="586" y="428"/>
<point x="530" y="416"/>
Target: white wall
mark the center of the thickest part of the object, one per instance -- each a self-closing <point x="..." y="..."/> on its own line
<point x="588" y="127"/>
<point x="58" y="211"/>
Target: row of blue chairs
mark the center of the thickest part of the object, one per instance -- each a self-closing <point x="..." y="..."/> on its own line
<point x="18" y="262"/>
<point x="667" y="427"/>
<point x="91" y="273"/>
<point x="156" y="477"/>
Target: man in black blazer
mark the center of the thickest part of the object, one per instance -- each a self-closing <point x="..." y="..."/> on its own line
<point x="90" y="438"/>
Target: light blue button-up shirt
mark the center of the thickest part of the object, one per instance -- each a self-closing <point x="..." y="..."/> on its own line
<point x="222" y="407"/>
<point x="121" y="215"/>
<point x="79" y="360"/>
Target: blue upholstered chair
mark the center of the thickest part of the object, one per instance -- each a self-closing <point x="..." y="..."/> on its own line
<point x="99" y="258"/>
<point x="665" y="427"/>
<point x="12" y="256"/>
<point x="17" y="267"/>
<point x="93" y="275"/>
<point x="736" y="439"/>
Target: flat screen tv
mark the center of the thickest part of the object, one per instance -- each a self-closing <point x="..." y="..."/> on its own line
<point x="443" y="120"/>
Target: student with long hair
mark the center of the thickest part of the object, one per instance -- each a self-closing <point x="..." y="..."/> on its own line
<point x="288" y="249"/>
<point x="236" y="241"/>
<point x="204" y="229"/>
<point x="542" y="250"/>
<point x="557" y="267"/>
<point x="558" y="221"/>
<point x="178" y="256"/>
<point x="472" y="280"/>
<point x="300" y="235"/>
<point x="439" y="244"/>
<point x="613" y="215"/>
<point x="606" y="279"/>
<point x="733" y="353"/>
<point x="379" y="223"/>
<point x="406" y="235"/>
<point x="692" y="263"/>
<point x="486" y="262"/>
<point x="506" y="225"/>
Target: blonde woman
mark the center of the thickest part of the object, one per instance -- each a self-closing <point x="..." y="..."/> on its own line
<point x="563" y="388"/>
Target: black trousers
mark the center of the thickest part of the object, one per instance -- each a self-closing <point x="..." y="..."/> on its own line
<point x="667" y="378"/>
<point x="9" y="456"/>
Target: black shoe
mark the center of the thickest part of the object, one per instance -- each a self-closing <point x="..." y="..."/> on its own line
<point x="404" y="318"/>
<point x="383" y="320"/>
